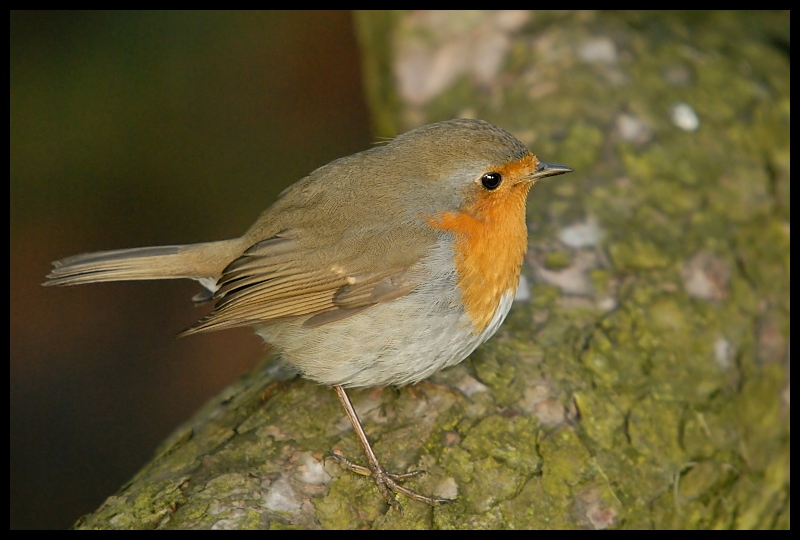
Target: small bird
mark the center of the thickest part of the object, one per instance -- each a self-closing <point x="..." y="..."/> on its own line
<point x="377" y="269"/>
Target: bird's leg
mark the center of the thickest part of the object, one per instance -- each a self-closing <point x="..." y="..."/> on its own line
<point x="387" y="482"/>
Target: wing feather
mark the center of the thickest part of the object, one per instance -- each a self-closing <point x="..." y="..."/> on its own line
<point x="279" y="278"/>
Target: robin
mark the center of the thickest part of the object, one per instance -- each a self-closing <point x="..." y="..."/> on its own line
<point x="377" y="269"/>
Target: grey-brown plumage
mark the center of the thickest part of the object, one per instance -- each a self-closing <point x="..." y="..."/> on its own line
<point x="335" y="243"/>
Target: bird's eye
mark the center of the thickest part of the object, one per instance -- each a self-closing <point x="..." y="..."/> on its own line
<point x="491" y="180"/>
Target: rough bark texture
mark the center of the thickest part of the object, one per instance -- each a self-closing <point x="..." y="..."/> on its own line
<point x="644" y="383"/>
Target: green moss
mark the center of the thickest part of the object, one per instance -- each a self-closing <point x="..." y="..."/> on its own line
<point x="557" y="260"/>
<point x="602" y="419"/>
<point x="582" y="145"/>
<point x="566" y="460"/>
<point x="511" y="441"/>
<point x="352" y="502"/>
<point x="535" y="508"/>
<point x="635" y="255"/>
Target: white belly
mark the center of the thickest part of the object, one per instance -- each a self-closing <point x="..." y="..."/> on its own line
<point x="396" y="343"/>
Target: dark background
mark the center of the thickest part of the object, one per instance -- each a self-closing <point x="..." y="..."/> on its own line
<point x="134" y="129"/>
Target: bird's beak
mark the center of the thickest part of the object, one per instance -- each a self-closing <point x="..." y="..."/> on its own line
<point x="550" y="169"/>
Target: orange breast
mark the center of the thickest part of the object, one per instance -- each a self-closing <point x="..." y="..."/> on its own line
<point x="490" y="241"/>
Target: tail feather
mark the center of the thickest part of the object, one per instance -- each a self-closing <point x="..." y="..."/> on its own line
<point x="194" y="261"/>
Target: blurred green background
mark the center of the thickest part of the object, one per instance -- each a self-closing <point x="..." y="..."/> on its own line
<point x="132" y="129"/>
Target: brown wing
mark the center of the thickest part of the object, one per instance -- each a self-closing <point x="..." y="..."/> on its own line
<point x="280" y="278"/>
